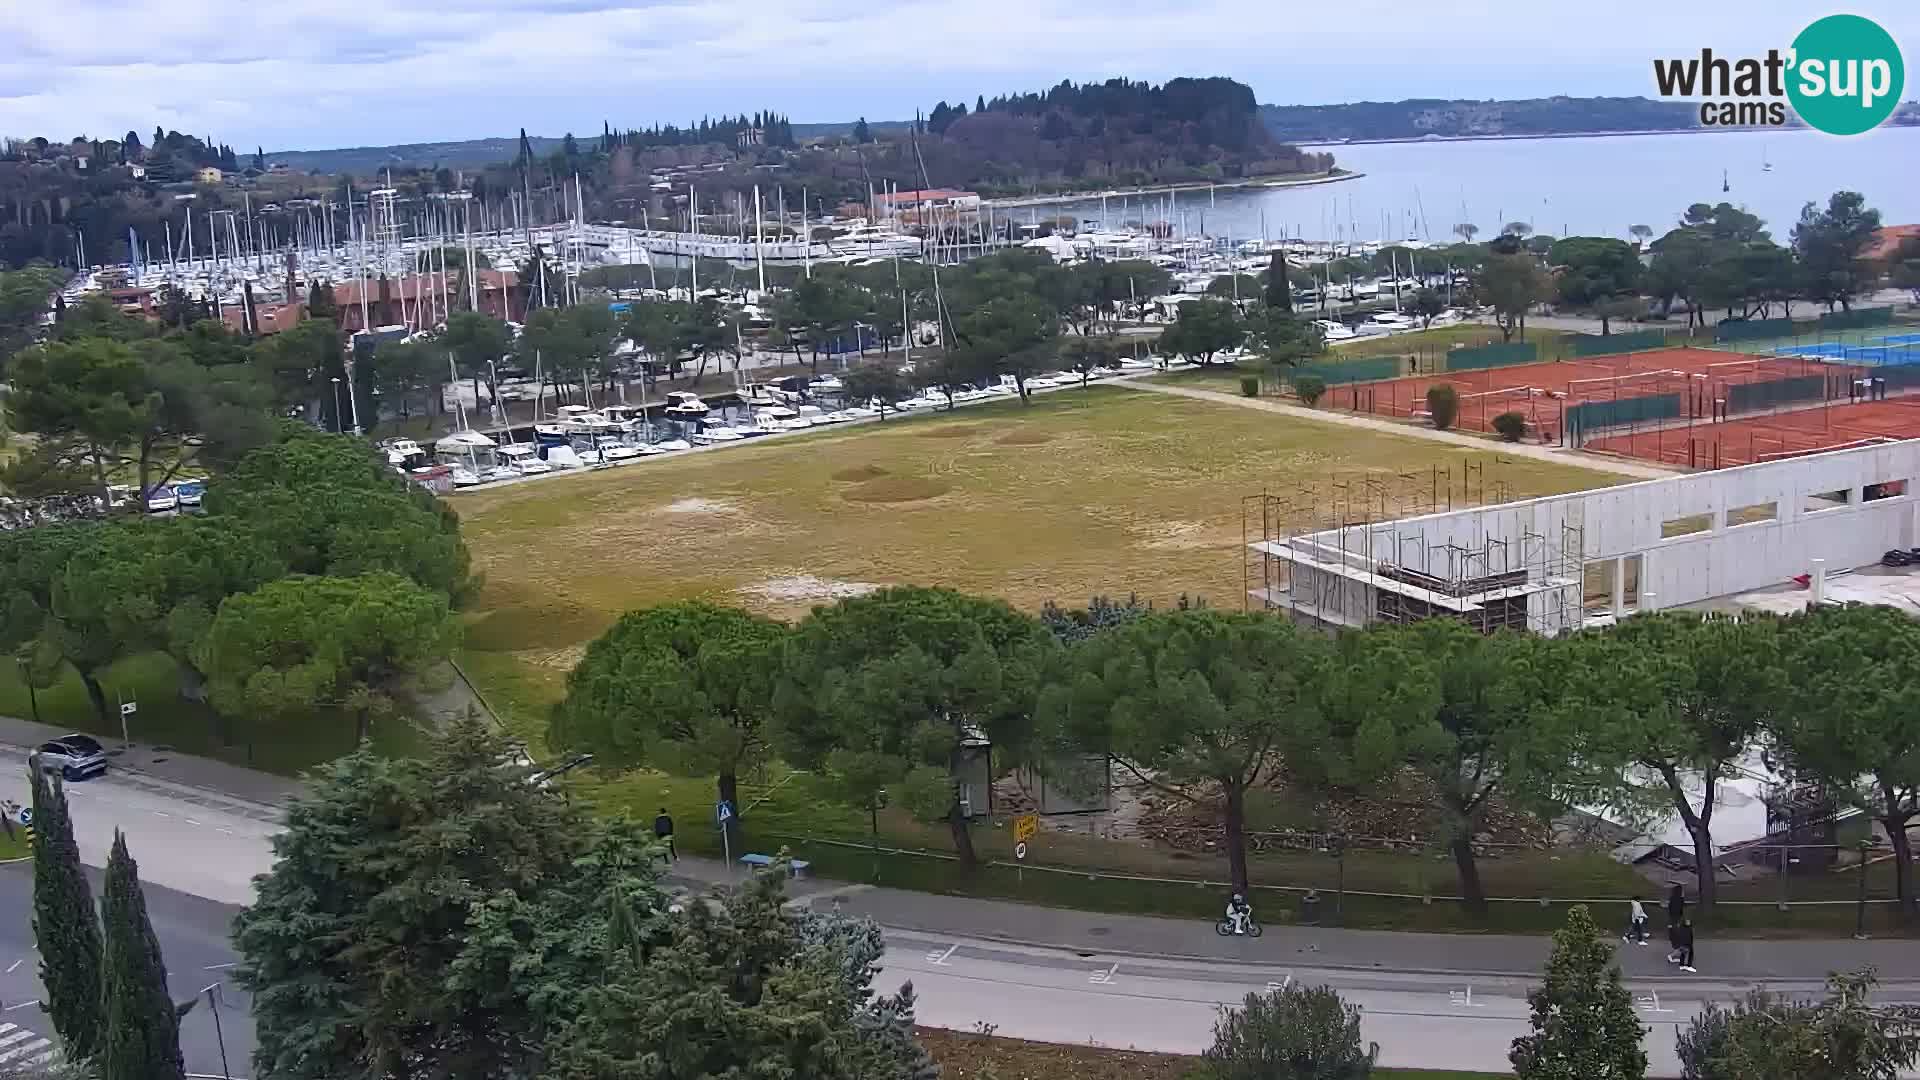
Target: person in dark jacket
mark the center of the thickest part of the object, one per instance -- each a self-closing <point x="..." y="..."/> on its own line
<point x="663" y="832"/>
<point x="1676" y="906"/>
<point x="1681" y="937"/>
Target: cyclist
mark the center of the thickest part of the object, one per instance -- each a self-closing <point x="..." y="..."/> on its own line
<point x="1239" y="913"/>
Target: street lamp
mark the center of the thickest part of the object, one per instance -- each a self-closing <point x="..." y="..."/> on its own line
<point x="339" y="416"/>
<point x="26" y="676"/>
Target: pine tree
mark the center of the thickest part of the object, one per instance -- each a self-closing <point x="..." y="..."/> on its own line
<point x="64" y="925"/>
<point x="1583" y="1020"/>
<point x="143" y="1027"/>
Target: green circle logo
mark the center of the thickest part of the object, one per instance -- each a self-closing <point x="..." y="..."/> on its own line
<point x="1846" y="74"/>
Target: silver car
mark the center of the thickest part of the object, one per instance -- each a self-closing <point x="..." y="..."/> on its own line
<point x="75" y="757"/>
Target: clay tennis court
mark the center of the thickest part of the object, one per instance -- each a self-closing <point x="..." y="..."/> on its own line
<point x="1541" y="391"/>
<point x="1767" y="438"/>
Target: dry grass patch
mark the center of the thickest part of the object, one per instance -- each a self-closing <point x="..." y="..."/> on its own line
<point x="898" y="489"/>
<point x="1024" y="437"/>
<point x="859" y="474"/>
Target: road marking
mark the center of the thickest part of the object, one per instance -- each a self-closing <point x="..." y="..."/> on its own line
<point x="190" y="821"/>
<point x="22" y="1005"/>
<point x="1650" y="1001"/>
<point x="8" y="1038"/>
<point x="1104" y="975"/>
<point x="161" y="813"/>
<point x="217" y="967"/>
<point x="226" y="830"/>
<point x="938" y="957"/>
<point x="1274" y="987"/>
<point x="1463" y="998"/>
<point x="15" y="964"/>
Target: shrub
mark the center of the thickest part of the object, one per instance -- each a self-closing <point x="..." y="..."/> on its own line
<point x="1249" y="386"/>
<point x="1510" y="425"/>
<point x="1309" y="388"/>
<point x="1443" y="403"/>
<point x="1295" y="1033"/>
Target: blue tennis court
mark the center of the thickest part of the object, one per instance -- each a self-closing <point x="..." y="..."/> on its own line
<point x="1901" y="339"/>
<point x="1869" y="355"/>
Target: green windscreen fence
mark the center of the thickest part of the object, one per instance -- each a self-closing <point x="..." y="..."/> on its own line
<point x="1362" y="369"/>
<point x="1898" y="376"/>
<point x="1857" y="319"/>
<point x="1593" y="416"/>
<point x="1608" y="344"/>
<point x="1753" y="329"/>
<point x="1492" y="356"/>
<point x="1752" y="397"/>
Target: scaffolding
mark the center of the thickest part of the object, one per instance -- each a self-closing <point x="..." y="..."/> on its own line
<point x="1359" y="549"/>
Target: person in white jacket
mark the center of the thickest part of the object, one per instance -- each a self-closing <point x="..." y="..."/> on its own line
<point x="1636" y="923"/>
<point x="1238" y="913"/>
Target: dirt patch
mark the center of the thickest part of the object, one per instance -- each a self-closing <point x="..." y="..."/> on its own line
<point x="699" y="506"/>
<point x="1185" y="536"/>
<point x="805" y="587"/>
<point x="899" y="489"/>
<point x="951" y="431"/>
<point x="1024" y="438"/>
<point x="860" y="475"/>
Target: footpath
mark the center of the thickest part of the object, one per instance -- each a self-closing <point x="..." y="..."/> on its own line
<point x="927" y="915"/>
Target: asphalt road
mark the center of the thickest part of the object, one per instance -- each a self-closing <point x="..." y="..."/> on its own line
<point x="193" y="935"/>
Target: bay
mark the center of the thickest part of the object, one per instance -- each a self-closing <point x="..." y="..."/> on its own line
<point x="1584" y="186"/>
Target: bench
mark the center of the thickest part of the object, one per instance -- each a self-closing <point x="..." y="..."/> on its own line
<point x="757" y="863"/>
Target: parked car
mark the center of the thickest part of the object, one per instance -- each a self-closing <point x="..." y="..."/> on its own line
<point x="75" y="757"/>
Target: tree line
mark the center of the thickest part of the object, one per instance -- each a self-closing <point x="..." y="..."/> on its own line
<point x="313" y="582"/>
<point x="887" y="692"/>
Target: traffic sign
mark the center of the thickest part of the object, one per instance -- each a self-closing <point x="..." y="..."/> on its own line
<point x="26" y="815"/>
<point x="1019" y="851"/>
<point x="128" y="708"/>
<point x="723" y="813"/>
<point x="1024" y="827"/>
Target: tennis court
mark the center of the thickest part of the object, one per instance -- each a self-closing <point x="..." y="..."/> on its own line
<point x="1767" y="438"/>
<point x="1893" y="349"/>
<point x="1543" y="391"/>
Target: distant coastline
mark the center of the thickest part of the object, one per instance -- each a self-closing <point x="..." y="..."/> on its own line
<point x="1281" y="181"/>
<point x="1321" y="144"/>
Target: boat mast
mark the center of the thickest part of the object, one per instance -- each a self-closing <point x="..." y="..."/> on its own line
<point x="759" y="247"/>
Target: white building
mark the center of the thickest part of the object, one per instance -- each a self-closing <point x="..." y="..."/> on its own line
<point x="1558" y="563"/>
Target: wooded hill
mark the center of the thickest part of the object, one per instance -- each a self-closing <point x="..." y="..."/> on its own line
<point x="1418" y="117"/>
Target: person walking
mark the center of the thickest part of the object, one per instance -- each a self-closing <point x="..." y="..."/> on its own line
<point x="1676" y="905"/>
<point x="1636" y="923"/>
<point x="1682" y="938"/>
<point x="663" y="832"/>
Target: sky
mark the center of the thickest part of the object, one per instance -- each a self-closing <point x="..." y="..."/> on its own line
<point x="312" y="74"/>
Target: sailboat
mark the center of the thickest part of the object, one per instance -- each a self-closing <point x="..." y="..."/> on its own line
<point x="1765" y="165"/>
<point x="1724" y="186"/>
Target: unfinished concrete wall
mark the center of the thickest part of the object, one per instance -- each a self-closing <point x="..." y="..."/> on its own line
<point x="1697" y="536"/>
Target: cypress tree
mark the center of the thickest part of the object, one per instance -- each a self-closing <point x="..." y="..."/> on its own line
<point x="143" y="1027"/>
<point x="64" y="924"/>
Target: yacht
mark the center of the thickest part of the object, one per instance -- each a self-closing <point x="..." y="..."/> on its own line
<point x="523" y="459"/>
<point x="580" y="420"/>
<point x="403" y="454"/>
<point x="668" y="445"/>
<point x="778" y="418"/>
<point x="1332" y="330"/>
<point x="1394" y="321"/>
<point x="464" y="477"/>
<point x="826" y="384"/>
<point x="685" y="405"/>
<point x="810" y="415"/>
<point x="718" y="433"/>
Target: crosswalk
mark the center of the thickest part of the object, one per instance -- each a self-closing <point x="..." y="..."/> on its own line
<point x="20" y="1047"/>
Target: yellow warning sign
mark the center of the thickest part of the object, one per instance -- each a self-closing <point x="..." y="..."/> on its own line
<point x="1024" y="827"/>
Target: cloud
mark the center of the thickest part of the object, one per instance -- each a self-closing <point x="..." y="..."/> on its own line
<point x="312" y="73"/>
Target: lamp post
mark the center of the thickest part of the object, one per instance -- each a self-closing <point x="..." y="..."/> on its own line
<point x="26" y="676"/>
<point x="339" y="416"/>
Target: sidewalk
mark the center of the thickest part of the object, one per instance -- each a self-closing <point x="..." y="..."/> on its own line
<point x="1100" y="934"/>
<point x="184" y="769"/>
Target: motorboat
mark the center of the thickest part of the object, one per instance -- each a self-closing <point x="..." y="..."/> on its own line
<point x="580" y="420"/>
<point x="463" y="476"/>
<point x="626" y="418"/>
<point x="686" y="405"/>
<point x="163" y="500"/>
<point x="1393" y="320"/>
<point x="669" y="445"/>
<point x="563" y="457"/>
<point x="718" y="433"/>
<point x="859" y="412"/>
<point x="499" y="472"/>
<point x="403" y="453"/>
<point x="779" y="418"/>
<point x="523" y="459"/>
<point x="811" y="415"/>
<point x="613" y="448"/>
<point x="190" y="492"/>
<point x="826" y="384"/>
<point x="1330" y="330"/>
<point x="758" y="395"/>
